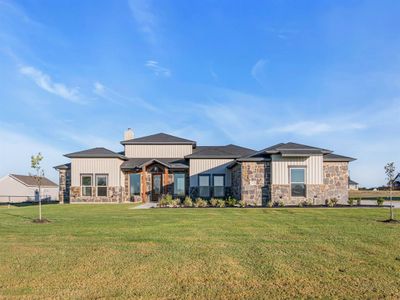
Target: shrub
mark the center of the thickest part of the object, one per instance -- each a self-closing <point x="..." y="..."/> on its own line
<point x="221" y="203"/>
<point x="176" y="202"/>
<point x="231" y="202"/>
<point x="350" y="201"/>
<point x="187" y="202"/>
<point x="214" y="202"/>
<point x="270" y="203"/>
<point x="308" y="202"/>
<point x="166" y="201"/>
<point x="301" y="203"/>
<point x="242" y="203"/>
<point x="331" y="202"/>
<point x="380" y="201"/>
<point x="279" y="203"/>
<point x="200" y="203"/>
<point x="334" y="201"/>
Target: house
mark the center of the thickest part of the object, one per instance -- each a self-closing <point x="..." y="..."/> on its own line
<point x="158" y="164"/>
<point x="353" y="185"/>
<point x="21" y="188"/>
<point x="396" y="182"/>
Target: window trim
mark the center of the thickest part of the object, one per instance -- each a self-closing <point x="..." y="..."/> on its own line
<point x="130" y="184"/>
<point x="184" y="183"/>
<point x="102" y="186"/>
<point x="86" y="186"/>
<point x="209" y="184"/>
<point x="223" y="183"/>
<point x="304" y="168"/>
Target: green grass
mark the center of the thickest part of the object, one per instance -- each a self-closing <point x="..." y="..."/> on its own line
<point x="105" y="251"/>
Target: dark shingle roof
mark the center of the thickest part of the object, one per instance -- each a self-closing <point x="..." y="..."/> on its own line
<point x="171" y="163"/>
<point x="336" y="157"/>
<point x="158" y="139"/>
<point x="292" y="149"/>
<point x="63" y="167"/>
<point x="228" y="151"/>
<point x="95" y="153"/>
<point x="30" y="180"/>
<point x="352" y="182"/>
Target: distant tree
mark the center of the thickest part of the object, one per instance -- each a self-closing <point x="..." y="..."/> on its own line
<point x="38" y="176"/>
<point x="390" y="170"/>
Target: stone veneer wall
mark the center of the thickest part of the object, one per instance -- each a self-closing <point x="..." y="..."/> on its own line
<point x="64" y="185"/>
<point x="255" y="181"/>
<point x="115" y="195"/>
<point x="335" y="186"/>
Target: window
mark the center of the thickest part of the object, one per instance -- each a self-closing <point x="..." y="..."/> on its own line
<point x="86" y="183"/>
<point x="204" y="186"/>
<point x="297" y="182"/>
<point x="101" y="185"/>
<point x="179" y="184"/>
<point x="135" y="184"/>
<point x="219" y="185"/>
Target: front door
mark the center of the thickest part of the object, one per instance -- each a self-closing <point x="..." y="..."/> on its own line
<point x="156" y="187"/>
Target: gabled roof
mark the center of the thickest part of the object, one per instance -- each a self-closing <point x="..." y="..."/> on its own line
<point x="397" y="178"/>
<point x="171" y="163"/>
<point x="159" y="139"/>
<point x="336" y="157"/>
<point x="352" y="182"/>
<point x="292" y="149"/>
<point x="228" y="151"/>
<point x="63" y="167"/>
<point x="31" y="182"/>
<point x="95" y="153"/>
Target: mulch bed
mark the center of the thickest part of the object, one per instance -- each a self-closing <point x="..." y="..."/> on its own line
<point x="41" y="221"/>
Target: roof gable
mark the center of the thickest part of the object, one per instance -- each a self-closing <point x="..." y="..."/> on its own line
<point x="99" y="152"/>
<point x="159" y="139"/>
<point x="30" y="180"/>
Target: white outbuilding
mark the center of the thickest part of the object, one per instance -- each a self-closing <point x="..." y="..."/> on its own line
<point x="22" y="188"/>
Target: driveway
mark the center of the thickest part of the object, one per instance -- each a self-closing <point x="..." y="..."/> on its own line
<point x="396" y="204"/>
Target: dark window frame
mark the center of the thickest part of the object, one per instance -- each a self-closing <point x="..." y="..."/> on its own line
<point x="209" y="184"/>
<point x="130" y="184"/>
<point x="184" y="184"/>
<point x="304" y="183"/>
<point x="223" y="185"/>
<point x="101" y="186"/>
<point x="84" y="188"/>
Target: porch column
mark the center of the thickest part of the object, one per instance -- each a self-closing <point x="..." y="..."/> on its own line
<point x="165" y="181"/>
<point x="144" y="185"/>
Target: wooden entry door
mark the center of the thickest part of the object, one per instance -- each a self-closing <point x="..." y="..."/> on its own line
<point x="156" y="189"/>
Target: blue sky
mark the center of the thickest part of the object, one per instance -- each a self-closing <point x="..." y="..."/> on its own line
<point x="75" y="74"/>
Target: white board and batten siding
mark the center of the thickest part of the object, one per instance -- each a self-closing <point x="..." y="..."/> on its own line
<point x="209" y="166"/>
<point x="313" y="168"/>
<point x="158" y="151"/>
<point x="109" y="166"/>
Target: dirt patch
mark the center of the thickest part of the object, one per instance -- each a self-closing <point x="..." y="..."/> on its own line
<point x="391" y="221"/>
<point x="41" y="221"/>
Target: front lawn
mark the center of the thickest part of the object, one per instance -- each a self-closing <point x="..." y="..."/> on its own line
<point x="96" y="251"/>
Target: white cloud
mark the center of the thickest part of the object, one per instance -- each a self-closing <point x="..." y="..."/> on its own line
<point x="257" y="71"/>
<point x="145" y="18"/>
<point x="45" y="82"/>
<point x="111" y="95"/>
<point x="309" y="128"/>
<point x="157" y="69"/>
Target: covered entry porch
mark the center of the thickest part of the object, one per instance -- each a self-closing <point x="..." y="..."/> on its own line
<point x="147" y="180"/>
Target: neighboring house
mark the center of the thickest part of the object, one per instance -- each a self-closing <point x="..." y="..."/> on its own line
<point x="353" y="185"/>
<point x="396" y="182"/>
<point x="160" y="164"/>
<point x="21" y="188"/>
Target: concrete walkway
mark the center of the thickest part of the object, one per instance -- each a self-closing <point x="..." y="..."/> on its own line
<point x="146" y="205"/>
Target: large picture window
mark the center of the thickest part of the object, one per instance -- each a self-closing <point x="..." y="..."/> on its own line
<point x="135" y="184"/>
<point x="297" y="182"/>
<point x="204" y="186"/>
<point x="179" y="184"/>
<point x="86" y="183"/>
<point x="219" y="185"/>
<point x="101" y="185"/>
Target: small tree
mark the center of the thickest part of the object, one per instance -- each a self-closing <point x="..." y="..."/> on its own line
<point x="38" y="176"/>
<point x="390" y="170"/>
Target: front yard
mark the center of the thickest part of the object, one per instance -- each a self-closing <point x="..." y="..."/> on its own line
<point x="94" y="251"/>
